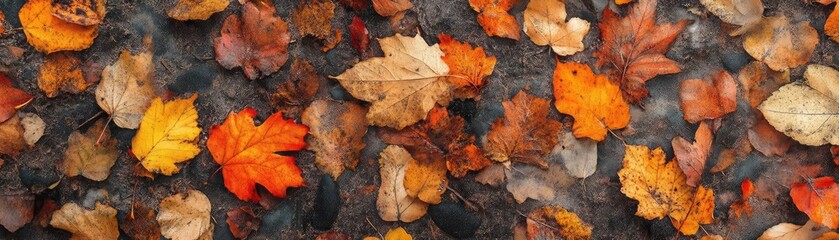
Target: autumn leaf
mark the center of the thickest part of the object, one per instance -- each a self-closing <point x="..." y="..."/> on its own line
<point x="831" y="25"/>
<point x="11" y="136"/>
<point x="469" y="67"/>
<point x="140" y="223"/>
<point x="810" y="119"/>
<point x="402" y="86"/>
<point x="789" y="231"/>
<point x="538" y="184"/>
<point x="525" y="134"/>
<point x="2" y="23"/>
<point x="759" y="81"/>
<point x="126" y="89"/>
<point x="819" y="199"/>
<point x="336" y="132"/>
<point x="389" y="8"/>
<point x="33" y="128"/>
<point x="48" y="33"/>
<point x="312" y="18"/>
<point x="81" y="12"/>
<point x="743" y="13"/>
<point x="61" y="72"/>
<point x="242" y="222"/>
<point x="167" y="135"/>
<point x="16" y="210"/>
<point x="634" y="48"/>
<point x="622" y="2"/>
<point x="708" y="99"/>
<point x="357" y="5"/>
<point x="196" y="9"/>
<point x="247" y="155"/>
<point x="692" y="156"/>
<point x="186" y="216"/>
<point x="440" y="138"/>
<point x="544" y="23"/>
<point x="493" y="17"/>
<point x="426" y="180"/>
<point x="661" y="190"/>
<point x="766" y="139"/>
<point x="12" y="100"/>
<point x="257" y="41"/>
<point x="393" y="201"/>
<point x="359" y="36"/>
<point x="90" y="154"/>
<point x="780" y="44"/>
<point x="595" y="103"/>
<point x="747" y="188"/>
<point x="298" y="90"/>
<point x="99" y="223"/>
<point x="554" y="222"/>
<point x="398" y="234"/>
<point x="579" y="155"/>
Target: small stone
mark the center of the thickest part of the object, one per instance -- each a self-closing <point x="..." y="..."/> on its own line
<point x="453" y="219"/>
<point x="327" y="203"/>
<point x="733" y="62"/>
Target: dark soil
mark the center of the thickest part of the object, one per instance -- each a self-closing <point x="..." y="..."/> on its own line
<point x="184" y="60"/>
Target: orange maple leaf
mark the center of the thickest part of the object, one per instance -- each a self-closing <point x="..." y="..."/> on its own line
<point x="247" y="155"/>
<point x="634" y="47"/>
<point x="595" y="103"/>
<point x="525" y="134"/>
<point x="819" y="199"/>
<point x="469" y="67"/>
<point x="493" y="17"/>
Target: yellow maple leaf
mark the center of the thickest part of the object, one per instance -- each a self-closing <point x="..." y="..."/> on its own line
<point x="661" y="190"/>
<point x="167" y="135"/>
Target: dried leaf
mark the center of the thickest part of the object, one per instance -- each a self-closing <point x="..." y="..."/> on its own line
<point x="242" y="222"/>
<point x="312" y="17"/>
<point x="759" y="81"/>
<point x="16" y="210"/>
<point x="49" y="34"/>
<point x="468" y="67"/>
<point x="393" y="201"/>
<point x="741" y="206"/>
<point x="831" y="25"/>
<point x="127" y="88"/>
<point x="99" y="223"/>
<point x="331" y="235"/>
<point x="298" y="91"/>
<point x="359" y="36"/>
<point x="525" y="134"/>
<point x="789" y="231"/>
<point x="12" y="100"/>
<point x="389" y="8"/>
<point x="743" y="13"/>
<point x="819" y="199"/>
<point x="196" y="9"/>
<point x="357" y="5"/>
<point x="579" y="156"/>
<point x="766" y="139"/>
<point x="493" y="17"/>
<point x="81" y="12"/>
<point x="257" y="41"/>
<point x="554" y="222"/>
<point x="336" y="132"/>
<point x="140" y="224"/>
<point x="692" y="156"/>
<point x="91" y="154"/>
<point x="538" y="184"/>
<point x="544" y="23"/>
<point x="33" y="128"/>
<point x="781" y="45"/>
<point x="11" y="136"/>
<point x="61" y="72"/>
<point x="185" y="216"/>
<point x="595" y="103"/>
<point x="426" y="180"/>
<point x="708" y="99"/>
<point x="167" y="135"/>
<point x="492" y="175"/>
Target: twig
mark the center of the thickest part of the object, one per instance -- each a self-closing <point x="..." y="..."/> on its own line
<point x="94" y="117"/>
<point x="374" y="227"/>
<point x="102" y="134"/>
<point x="465" y="201"/>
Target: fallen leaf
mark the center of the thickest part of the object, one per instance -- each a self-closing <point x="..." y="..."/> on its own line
<point x="469" y="67"/>
<point x="779" y="44"/>
<point x="544" y="185"/>
<point x="393" y="201"/>
<point x="525" y="134"/>
<point x="554" y="222"/>
<point x="493" y="17"/>
<point x="90" y="154"/>
<point x="61" y="72"/>
<point x="819" y="199"/>
<point x="242" y="222"/>
<point x="332" y="41"/>
<point x="49" y="34"/>
<point x="389" y="8"/>
<point x="702" y="99"/>
<point x="759" y="81"/>
<point x="398" y="234"/>
<point x="126" y="89"/>
<point x="579" y="156"/>
<point x="13" y="99"/>
<point x="312" y="18"/>
<point x="33" y="127"/>
<point x="622" y="2"/>
<point x="544" y="23"/>
<point x="196" y="9"/>
<point x="692" y="156"/>
<point x="766" y="139"/>
<point x="359" y="36"/>
<point x="81" y="12"/>
<point x="426" y="180"/>
<point x="634" y="47"/>
<point x="492" y="175"/>
<point x="747" y="188"/>
<point x="2" y="23"/>
<point x="789" y="231"/>
<point x="11" y="136"/>
<point x="16" y="210"/>
<point x="595" y="103"/>
<point x="140" y="223"/>
<point x="743" y="13"/>
<point x="99" y="223"/>
<point x="42" y="219"/>
<point x="357" y="5"/>
<point x="257" y="41"/>
<point x="829" y="236"/>
<point x="298" y="91"/>
<point x="167" y="135"/>
<point x="661" y="190"/>
<point x="331" y="235"/>
<point x="774" y="180"/>
<point x="831" y="25"/>
<point x="185" y="216"/>
<point x="402" y="86"/>
<point x="336" y="132"/>
<point x="440" y="138"/>
<point x="247" y="153"/>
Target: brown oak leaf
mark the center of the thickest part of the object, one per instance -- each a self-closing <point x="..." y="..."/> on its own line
<point x="525" y="134"/>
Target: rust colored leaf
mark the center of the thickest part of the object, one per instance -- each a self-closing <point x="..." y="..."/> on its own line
<point x="595" y="103"/>
<point x="357" y="5"/>
<point x="741" y="206"/>
<point x="140" y="223"/>
<point x="61" y="72"/>
<point x="42" y="219"/>
<point x="708" y="99"/>
<point x="692" y="156"/>
<point x="81" y="12"/>
<point x="359" y="36"/>
<point x="11" y="136"/>
<point x="242" y="222"/>
<point x="257" y="41"/>
<point x="312" y="18"/>
<point x="389" y="8"/>
<point x="16" y="210"/>
<point x="766" y="139"/>
<point x="493" y="17"/>
<point x="525" y="134"/>
<point x="759" y="81"/>
<point x="469" y="67"/>
<point x="12" y="100"/>
<point x="333" y="236"/>
<point x="819" y="199"/>
<point x="634" y="47"/>
<point x="336" y="132"/>
<point x="298" y="90"/>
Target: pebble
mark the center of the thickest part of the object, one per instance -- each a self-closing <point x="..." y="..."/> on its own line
<point x="327" y="203"/>
<point x="733" y="62"/>
<point x="453" y="219"/>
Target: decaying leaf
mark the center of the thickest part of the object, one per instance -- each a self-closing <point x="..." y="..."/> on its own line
<point x="336" y="132"/>
<point x="403" y="85"/>
<point x="493" y="17"/>
<point x="661" y="190"/>
<point x="780" y="44"/>
<point x="492" y="175"/>
<point x="806" y="113"/>
<point x="48" y="33"/>
<point x="743" y="13"/>
<point x="357" y="5"/>
<point x="99" y="223"/>
<point x="819" y="199"/>
<point x="789" y="231"/>
<point x="126" y="89"/>
<point x="90" y="154"/>
<point x="747" y="188"/>
<point x="185" y="216"/>
<point x="469" y="67"/>
<point x="167" y="135"/>
<point x="692" y="156"/>
<point x="16" y="210"/>
<point x="196" y="9"/>
<point x="544" y="23"/>
<point x="578" y="155"/>
<point x="702" y="99"/>
<point x="247" y="153"/>
<point x="525" y="134"/>
<point x="759" y="81"/>
<point x="389" y="8"/>
<point x="766" y="139"/>
<point x="426" y="180"/>
<point x="81" y="12"/>
<point x="140" y="223"/>
<point x="634" y="47"/>
<point x="257" y="41"/>
<point x="298" y="90"/>
<point x="312" y="17"/>
<point x="12" y="100"/>
<point x="33" y="127"/>
<point x="773" y="181"/>
<point x="61" y="72"/>
<point x="11" y="136"/>
<point x="359" y="36"/>
<point x="440" y="137"/>
<point x="554" y="222"/>
<point x="595" y="103"/>
<point x="242" y="222"/>
<point x="393" y="201"/>
<point x="525" y="181"/>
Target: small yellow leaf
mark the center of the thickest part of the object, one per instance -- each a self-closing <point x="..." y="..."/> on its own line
<point x="167" y="135"/>
<point x="196" y="9"/>
<point x="398" y="234"/>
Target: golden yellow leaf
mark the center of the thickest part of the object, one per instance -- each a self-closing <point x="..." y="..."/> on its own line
<point x="49" y="34"/>
<point x="61" y="71"/>
<point x="393" y="201"/>
<point x="398" y="234"/>
<point x="552" y="222"/>
<point x="196" y="9"/>
<point x="426" y="180"/>
<point x="167" y="135"/>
